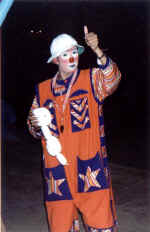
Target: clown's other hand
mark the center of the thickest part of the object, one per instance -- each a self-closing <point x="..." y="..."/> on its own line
<point x="33" y="120"/>
<point x="91" y="39"/>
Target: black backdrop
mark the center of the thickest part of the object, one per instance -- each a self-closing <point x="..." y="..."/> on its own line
<point x="123" y="29"/>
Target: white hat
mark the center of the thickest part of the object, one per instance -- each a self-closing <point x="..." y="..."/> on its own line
<point x="62" y="43"/>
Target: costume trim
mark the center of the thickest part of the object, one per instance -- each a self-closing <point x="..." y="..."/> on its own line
<point x="37" y="94"/>
<point x="92" y="87"/>
<point x="104" y="66"/>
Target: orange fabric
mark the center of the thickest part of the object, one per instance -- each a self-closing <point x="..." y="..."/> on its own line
<point x="60" y="215"/>
<point x="84" y="144"/>
<point x="95" y="208"/>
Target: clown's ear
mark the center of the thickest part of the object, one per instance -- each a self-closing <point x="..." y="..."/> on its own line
<point x="55" y="61"/>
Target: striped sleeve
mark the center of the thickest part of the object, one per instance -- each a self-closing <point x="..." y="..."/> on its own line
<point x="105" y="79"/>
<point x="33" y="131"/>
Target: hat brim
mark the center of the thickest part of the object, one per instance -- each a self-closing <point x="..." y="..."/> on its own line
<point x="80" y="51"/>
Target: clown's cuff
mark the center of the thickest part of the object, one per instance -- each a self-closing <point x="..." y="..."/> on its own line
<point x="101" y="66"/>
<point x="35" y="132"/>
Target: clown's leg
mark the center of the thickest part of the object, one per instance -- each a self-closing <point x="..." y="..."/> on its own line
<point x="62" y="216"/>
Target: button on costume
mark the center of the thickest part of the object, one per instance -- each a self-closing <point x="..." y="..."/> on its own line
<point x="83" y="184"/>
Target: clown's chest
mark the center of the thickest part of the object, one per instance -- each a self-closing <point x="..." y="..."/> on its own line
<point x="75" y="112"/>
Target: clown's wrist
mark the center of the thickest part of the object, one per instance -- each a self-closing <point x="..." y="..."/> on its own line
<point x="102" y="59"/>
<point x="98" y="51"/>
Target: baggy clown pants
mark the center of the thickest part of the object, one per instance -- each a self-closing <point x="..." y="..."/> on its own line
<point x="83" y="185"/>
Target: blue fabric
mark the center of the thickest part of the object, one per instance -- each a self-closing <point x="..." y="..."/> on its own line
<point x="65" y="84"/>
<point x="79" y="92"/>
<point x="106" y="65"/>
<point x="79" y="114"/>
<point x="50" y="105"/>
<point x="94" y="164"/>
<point x="91" y="229"/>
<point x="55" y="191"/>
<point x="101" y="120"/>
<point x="102" y="139"/>
<point x="105" y="161"/>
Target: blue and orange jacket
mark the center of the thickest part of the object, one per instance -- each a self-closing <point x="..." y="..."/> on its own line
<point x="83" y="138"/>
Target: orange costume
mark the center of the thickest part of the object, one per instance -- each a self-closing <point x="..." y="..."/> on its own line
<point x="84" y="183"/>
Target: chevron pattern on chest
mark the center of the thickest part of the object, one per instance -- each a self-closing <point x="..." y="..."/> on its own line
<point x="79" y="114"/>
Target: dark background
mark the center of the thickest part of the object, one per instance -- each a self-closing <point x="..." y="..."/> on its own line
<point x="123" y="28"/>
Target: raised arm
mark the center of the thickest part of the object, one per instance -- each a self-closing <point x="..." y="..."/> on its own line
<point x="105" y="78"/>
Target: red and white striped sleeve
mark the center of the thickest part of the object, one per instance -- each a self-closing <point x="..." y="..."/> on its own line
<point x="105" y="79"/>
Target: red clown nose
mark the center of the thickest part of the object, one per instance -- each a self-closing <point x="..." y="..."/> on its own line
<point x="71" y="59"/>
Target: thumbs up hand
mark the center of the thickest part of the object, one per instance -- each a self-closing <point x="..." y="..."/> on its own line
<point x="91" y="39"/>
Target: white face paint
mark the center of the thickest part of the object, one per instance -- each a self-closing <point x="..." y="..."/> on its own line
<point x="71" y="52"/>
<point x="68" y="61"/>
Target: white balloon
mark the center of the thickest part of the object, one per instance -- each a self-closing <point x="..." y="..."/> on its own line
<point x="43" y="116"/>
<point x="62" y="159"/>
<point x="53" y="145"/>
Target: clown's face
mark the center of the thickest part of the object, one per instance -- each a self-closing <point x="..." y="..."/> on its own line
<point x="68" y="61"/>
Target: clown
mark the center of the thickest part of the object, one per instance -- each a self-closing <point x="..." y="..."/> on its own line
<point x="74" y="99"/>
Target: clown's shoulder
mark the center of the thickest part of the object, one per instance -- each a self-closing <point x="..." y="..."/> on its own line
<point x="45" y="82"/>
